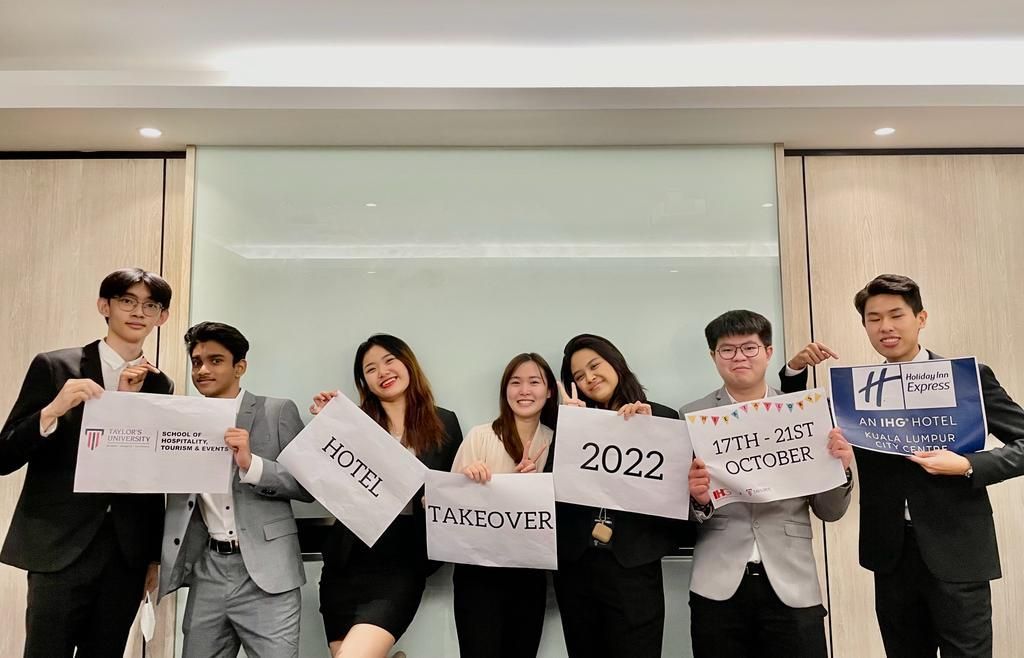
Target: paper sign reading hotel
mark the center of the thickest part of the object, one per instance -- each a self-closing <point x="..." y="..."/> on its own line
<point x="507" y="522"/>
<point x="148" y="443"/>
<point x="772" y="449"/>
<point x="637" y="465"/>
<point x="905" y="407"/>
<point x="358" y="471"/>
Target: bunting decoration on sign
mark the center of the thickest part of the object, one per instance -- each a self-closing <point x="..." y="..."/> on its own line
<point x="762" y="405"/>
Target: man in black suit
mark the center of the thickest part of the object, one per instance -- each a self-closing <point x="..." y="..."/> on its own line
<point x="90" y="557"/>
<point x="926" y="526"/>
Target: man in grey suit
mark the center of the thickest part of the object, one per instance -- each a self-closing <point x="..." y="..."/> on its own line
<point x="754" y="586"/>
<point x="238" y="553"/>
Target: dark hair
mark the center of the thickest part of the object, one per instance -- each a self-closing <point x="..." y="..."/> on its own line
<point x="890" y="284"/>
<point x="424" y="430"/>
<point x="629" y="388"/>
<point x="118" y="282"/>
<point x="505" y="424"/>
<point x="219" y="332"/>
<point x="738" y="323"/>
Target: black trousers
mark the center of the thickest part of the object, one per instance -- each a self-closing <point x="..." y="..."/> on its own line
<point x="755" y="623"/>
<point x="89" y="604"/>
<point x="610" y="610"/>
<point x="499" y="613"/>
<point x="918" y="613"/>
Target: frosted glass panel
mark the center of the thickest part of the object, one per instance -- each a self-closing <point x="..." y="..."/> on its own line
<point x="475" y="255"/>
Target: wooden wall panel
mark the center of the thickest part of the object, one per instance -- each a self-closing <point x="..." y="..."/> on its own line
<point x="65" y="225"/>
<point x="956" y="225"/>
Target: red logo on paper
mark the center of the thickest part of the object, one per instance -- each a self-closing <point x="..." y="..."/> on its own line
<point x="720" y="493"/>
<point x="92" y="438"/>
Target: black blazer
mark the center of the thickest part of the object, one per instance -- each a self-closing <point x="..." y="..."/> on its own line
<point x="952" y="515"/>
<point x="636" y="538"/>
<point x="406" y="537"/>
<point x="52" y="525"/>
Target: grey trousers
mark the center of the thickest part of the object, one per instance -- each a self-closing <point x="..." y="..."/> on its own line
<point x="226" y="610"/>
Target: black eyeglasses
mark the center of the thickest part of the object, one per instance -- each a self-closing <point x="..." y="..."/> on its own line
<point x="128" y="304"/>
<point x="749" y="350"/>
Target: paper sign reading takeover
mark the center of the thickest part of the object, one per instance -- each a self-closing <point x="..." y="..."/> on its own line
<point x="148" y="443"/>
<point x="637" y="465"/>
<point x="358" y="471"/>
<point x="507" y="522"/>
<point x="766" y="450"/>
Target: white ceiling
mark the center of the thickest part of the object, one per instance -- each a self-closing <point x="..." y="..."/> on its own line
<point x="820" y="74"/>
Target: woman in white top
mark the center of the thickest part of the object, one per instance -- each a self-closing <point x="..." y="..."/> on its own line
<point x="499" y="612"/>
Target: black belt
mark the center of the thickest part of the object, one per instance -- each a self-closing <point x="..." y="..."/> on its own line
<point x="755" y="569"/>
<point x="224" y="547"/>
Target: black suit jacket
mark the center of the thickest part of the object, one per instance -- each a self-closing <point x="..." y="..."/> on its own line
<point x="951" y="514"/>
<point x="636" y="538"/>
<point x="52" y="525"/>
<point x="406" y="537"/>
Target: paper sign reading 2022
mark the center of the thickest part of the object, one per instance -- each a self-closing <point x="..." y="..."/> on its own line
<point x="358" y="471"/>
<point x="767" y="450"/>
<point x="640" y="464"/>
<point x="148" y="443"/>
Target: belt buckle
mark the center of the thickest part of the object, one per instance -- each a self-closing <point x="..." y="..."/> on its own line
<point x="219" y="547"/>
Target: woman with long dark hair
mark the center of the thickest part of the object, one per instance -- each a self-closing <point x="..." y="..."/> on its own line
<point x="609" y="582"/>
<point x="499" y="611"/>
<point x="369" y="596"/>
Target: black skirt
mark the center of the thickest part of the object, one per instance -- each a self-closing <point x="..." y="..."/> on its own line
<point x="381" y="586"/>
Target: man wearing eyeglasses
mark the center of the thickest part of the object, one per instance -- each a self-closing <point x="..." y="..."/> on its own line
<point x="90" y="557"/>
<point x="754" y="586"/>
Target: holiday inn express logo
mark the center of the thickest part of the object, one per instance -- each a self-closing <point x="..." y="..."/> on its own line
<point x="902" y="386"/>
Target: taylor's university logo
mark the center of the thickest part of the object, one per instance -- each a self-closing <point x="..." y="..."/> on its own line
<point x="898" y="386"/>
<point x="92" y="438"/>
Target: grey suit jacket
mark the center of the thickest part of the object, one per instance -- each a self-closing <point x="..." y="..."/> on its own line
<point x="782" y="529"/>
<point x="267" y="534"/>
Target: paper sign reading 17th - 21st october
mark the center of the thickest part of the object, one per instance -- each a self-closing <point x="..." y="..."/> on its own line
<point x="768" y="449"/>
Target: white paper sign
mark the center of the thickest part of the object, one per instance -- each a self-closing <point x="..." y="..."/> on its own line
<point x="507" y="522"/>
<point x="358" y="471"/>
<point x="148" y="443"/>
<point x="767" y="450"/>
<point x="637" y="465"/>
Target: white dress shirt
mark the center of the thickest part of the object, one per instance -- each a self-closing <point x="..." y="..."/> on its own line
<point x="755" y="552"/>
<point x="217" y="509"/>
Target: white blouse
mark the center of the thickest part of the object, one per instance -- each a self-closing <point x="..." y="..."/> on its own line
<point x="482" y="444"/>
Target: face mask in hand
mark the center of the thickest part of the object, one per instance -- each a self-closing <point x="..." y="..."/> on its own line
<point x="147" y="622"/>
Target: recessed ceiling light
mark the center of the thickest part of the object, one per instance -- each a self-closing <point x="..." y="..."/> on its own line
<point x="152" y="133"/>
<point x="768" y="205"/>
<point x="882" y="132"/>
<point x="371" y="205"/>
<point x="371" y="272"/>
<point x="673" y="271"/>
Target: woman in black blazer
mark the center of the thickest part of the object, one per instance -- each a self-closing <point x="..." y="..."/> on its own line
<point x="609" y="588"/>
<point x="369" y="596"/>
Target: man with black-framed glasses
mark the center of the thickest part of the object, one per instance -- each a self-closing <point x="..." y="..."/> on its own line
<point x="754" y="586"/>
<point x="90" y="557"/>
